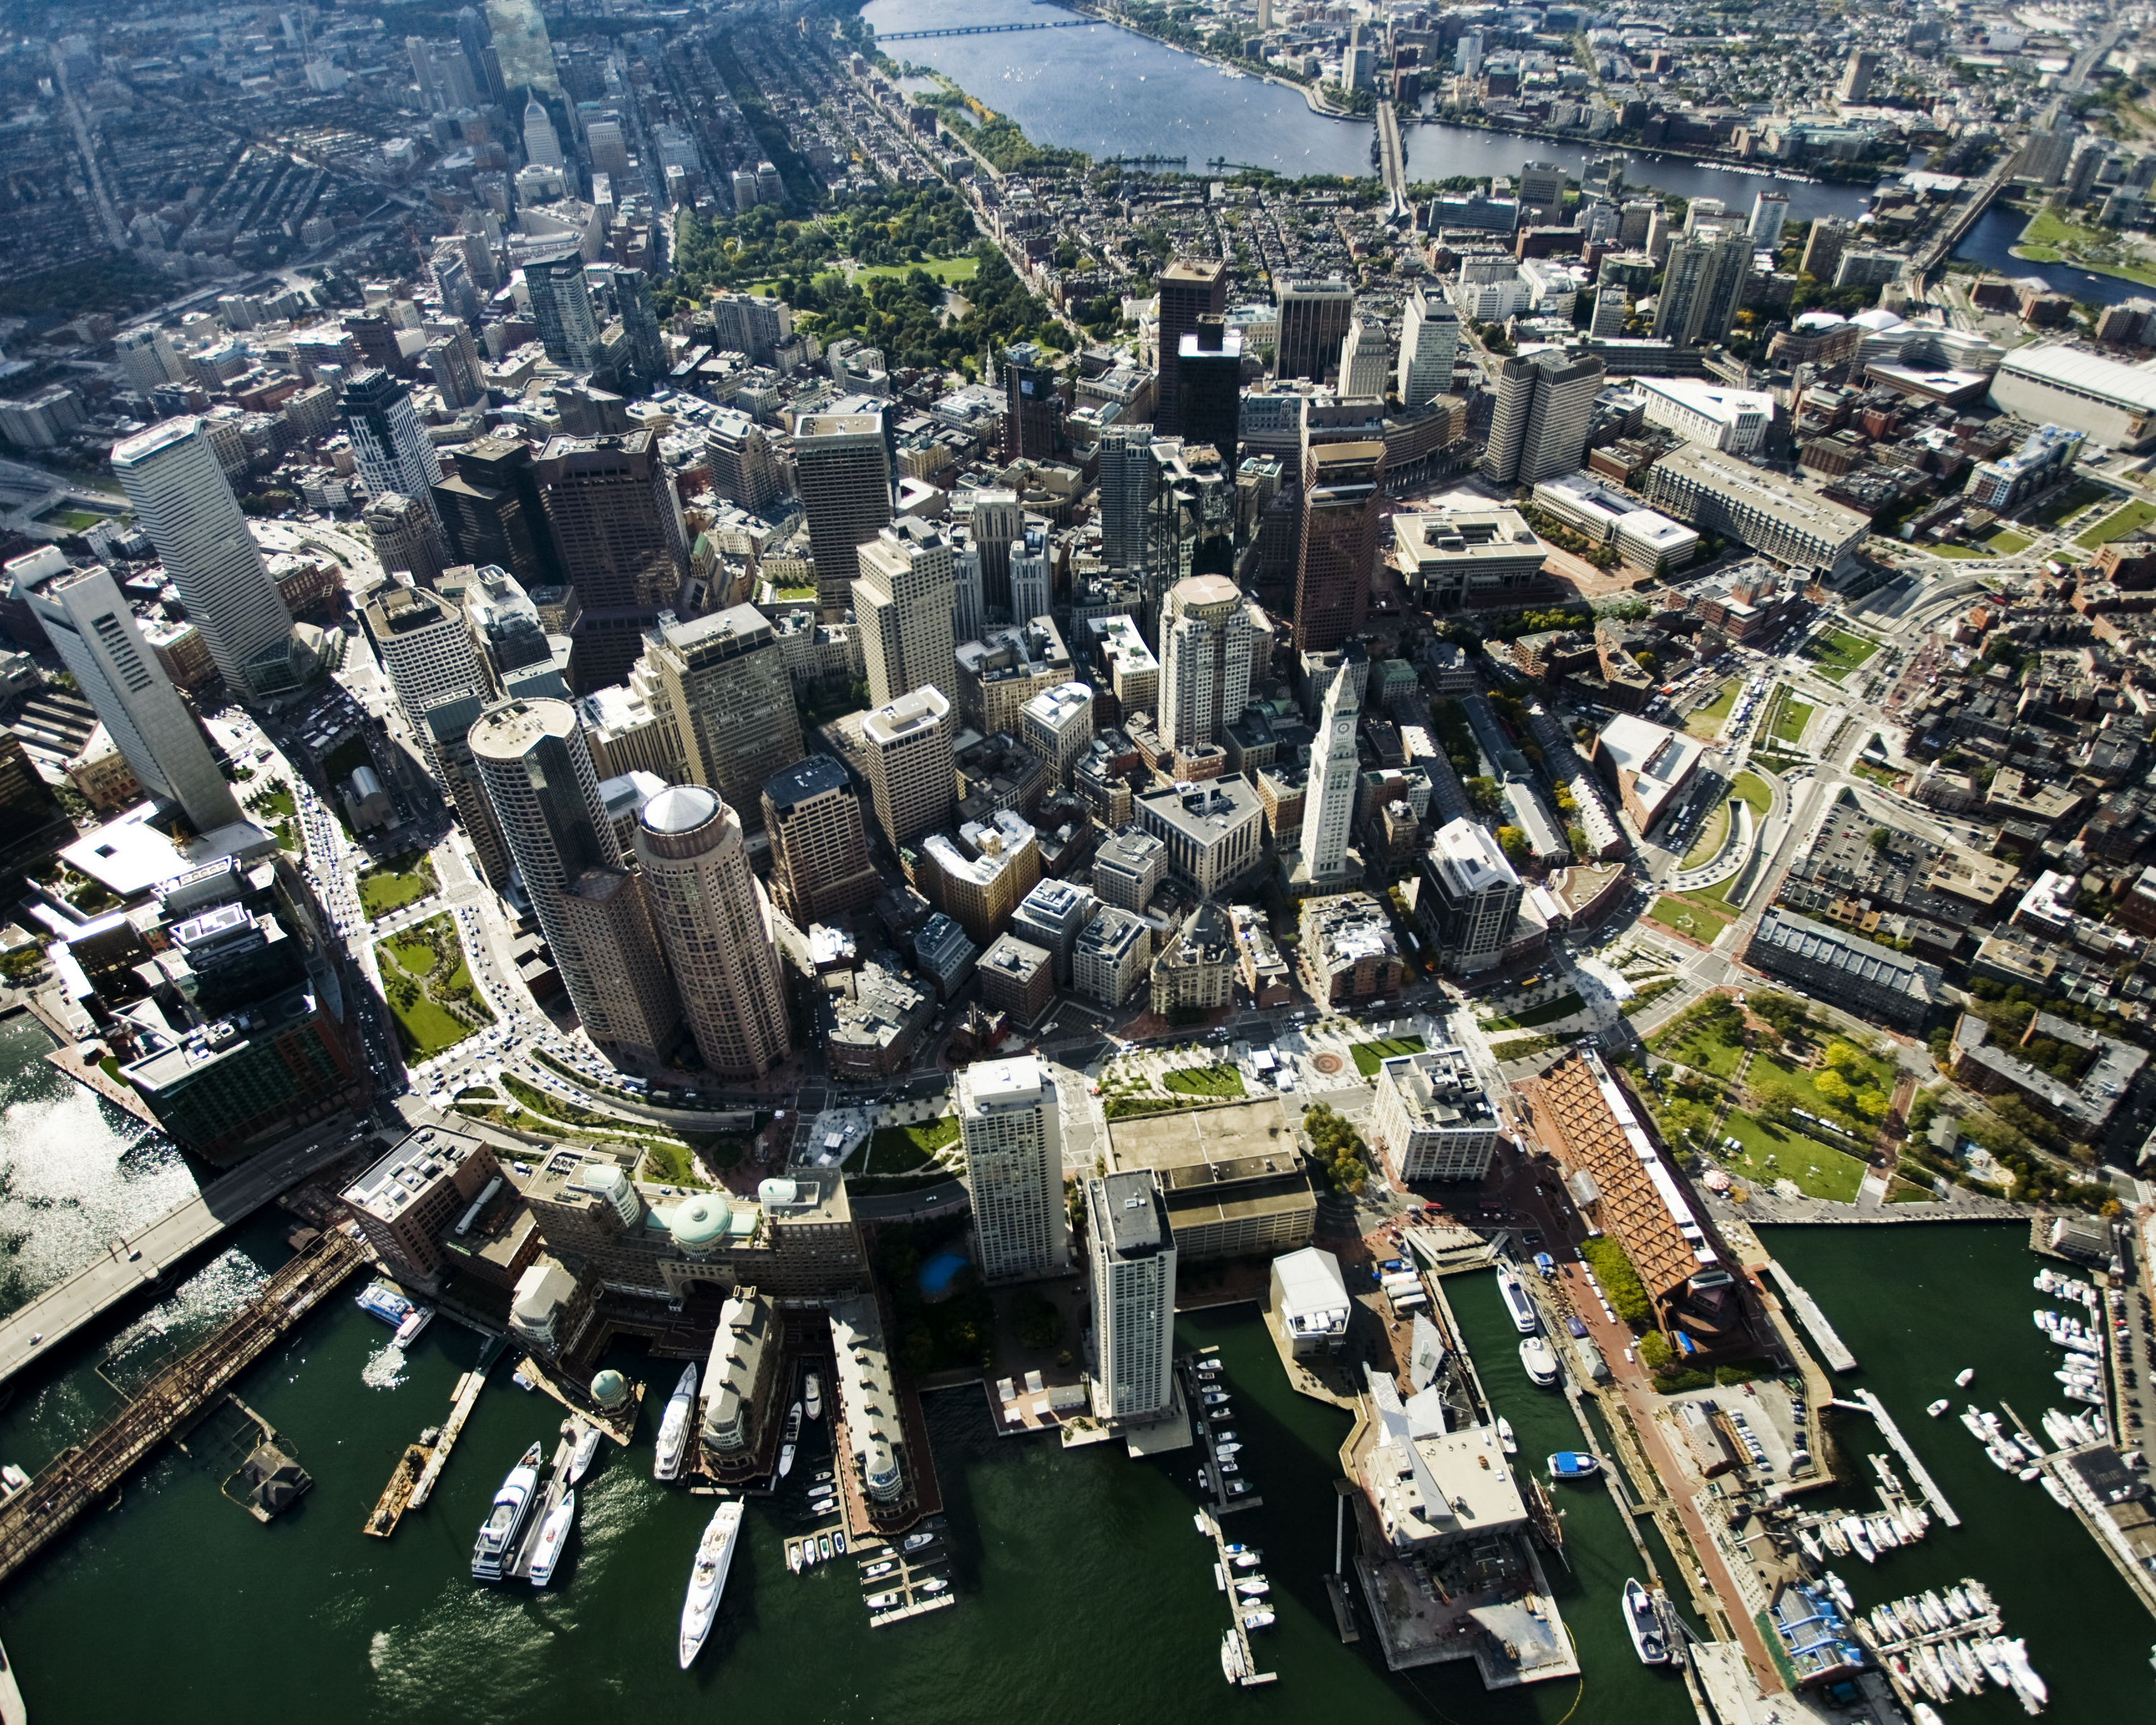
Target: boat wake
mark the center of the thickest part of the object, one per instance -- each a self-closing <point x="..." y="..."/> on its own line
<point x="385" y="1368"/>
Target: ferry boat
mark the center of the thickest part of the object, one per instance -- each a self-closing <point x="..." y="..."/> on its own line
<point x="379" y="1300"/>
<point x="1644" y="1624"/>
<point x="554" y="1540"/>
<point x="1516" y="1301"/>
<point x="674" y="1426"/>
<point x="407" y="1332"/>
<point x="1539" y="1362"/>
<point x="504" y="1519"/>
<point x="785" y="1460"/>
<point x="586" y="1451"/>
<point x="812" y="1400"/>
<point x="1505" y="1441"/>
<point x="708" y="1579"/>
<point x="1574" y="1465"/>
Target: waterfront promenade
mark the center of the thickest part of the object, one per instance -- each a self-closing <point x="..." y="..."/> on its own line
<point x="136" y="1261"/>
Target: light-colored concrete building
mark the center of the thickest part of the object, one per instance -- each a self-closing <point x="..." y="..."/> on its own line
<point x="1133" y="1256"/>
<point x="912" y="768"/>
<point x="1432" y="1120"/>
<point x="1009" y="1122"/>
<point x="903" y="601"/>
<point x="1109" y="961"/>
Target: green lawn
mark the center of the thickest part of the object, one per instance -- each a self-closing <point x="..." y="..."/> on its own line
<point x="425" y="1029"/>
<point x="2068" y="504"/>
<point x="279" y="802"/>
<point x="1965" y="553"/>
<point x="1707" y="721"/>
<point x="1696" y="1048"/>
<point x="1908" y="1191"/>
<point x="900" y="1149"/>
<point x="670" y="1165"/>
<point x="1223" y="1082"/>
<point x="1771" y="1153"/>
<point x="1698" y="923"/>
<point x="386" y="890"/>
<point x="1369" y="1053"/>
<point x="2116" y="525"/>
<point x="1750" y="787"/>
<point x="1767" y="1069"/>
<point x="2006" y="542"/>
<point x="413" y="957"/>
<point x="1713" y="831"/>
<point x="1842" y="653"/>
<point x="1714" y="899"/>
<point x="1790" y="723"/>
<point x="74" y="520"/>
<point x="1564" y="1007"/>
<point x="944" y="269"/>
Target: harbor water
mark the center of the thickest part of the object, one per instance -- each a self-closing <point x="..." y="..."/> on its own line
<point x="1110" y="92"/>
<point x="1990" y="244"/>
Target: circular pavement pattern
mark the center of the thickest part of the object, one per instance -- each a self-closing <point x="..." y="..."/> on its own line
<point x="1327" y="1062"/>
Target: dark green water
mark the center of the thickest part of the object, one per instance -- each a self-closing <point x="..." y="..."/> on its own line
<point x="1915" y="1305"/>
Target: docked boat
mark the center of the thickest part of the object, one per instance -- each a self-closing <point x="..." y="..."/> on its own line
<point x="916" y="1542"/>
<point x="1233" y="1665"/>
<point x="1536" y="1360"/>
<point x="1255" y="1587"/>
<point x="13" y="1479"/>
<point x="1516" y="1302"/>
<point x="1860" y="1542"/>
<point x="379" y="1300"/>
<point x="586" y="1451"/>
<point x="785" y="1460"/>
<point x="1643" y="1622"/>
<point x="504" y="1519"/>
<point x="708" y="1579"/>
<point x="875" y="1570"/>
<point x="2058" y="1493"/>
<point x="1505" y="1441"/>
<point x="554" y="1540"/>
<point x="1213" y="1397"/>
<point x="811" y="1399"/>
<point x="1259" y="1619"/>
<point x="1574" y="1465"/>
<point x="794" y="1423"/>
<point x="12" y="1710"/>
<point x="793" y="1555"/>
<point x="808" y="1552"/>
<point x="1973" y="1422"/>
<point x="1227" y="1449"/>
<point x="1840" y="1589"/>
<point x="1965" y="1377"/>
<point x="674" y="1426"/>
<point x="934" y="1584"/>
<point x="839" y="1544"/>
<point x="1938" y="1407"/>
<point x="1244" y="1559"/>
<point x="884" y="1602"/>
<point x="407" y="1332"/>
<point x="823" y="1547"/>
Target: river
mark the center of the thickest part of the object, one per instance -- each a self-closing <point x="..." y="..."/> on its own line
<point x="1989" y="244"/>
<point x="1110" y="92"/>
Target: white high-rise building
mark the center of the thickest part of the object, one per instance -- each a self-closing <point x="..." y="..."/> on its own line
<point x="1430" y="338"/>
<point x="1133" y="1251"/>
<point x="172" y="477"/>
<point x="88" y="621"/>
<point x="148" y="357"/>
<point x="1328" y="800"/>
<point x="541" y="145"/>
<point x="1010" y="1124"/>
<point x="428" y="650"/>
<point x="1126" y="486"/>
<point x="1205" y="660"/>
<point x="394" y="452"/>
<point x="1770" y="213"/>
<point x="905" y="600"/>
<point x="1362" y="360"/>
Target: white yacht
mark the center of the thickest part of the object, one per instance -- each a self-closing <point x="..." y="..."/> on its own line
<point x="1516" y="1302"/>
<point x="586" y="1451"/>
<point x="674" y="1426"/>
<point x="785" y="1460"/>
<point x="708" y="1579"/>
<point x="504" y="1519"/>
<point x="1539" y="1362"/>
<point x="554" y="1540"/>
<point x="1510" y="1444"/>
<point x="811" y="1399"/>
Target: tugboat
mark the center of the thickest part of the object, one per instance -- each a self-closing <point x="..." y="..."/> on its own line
<point x="1649" y="1637"/>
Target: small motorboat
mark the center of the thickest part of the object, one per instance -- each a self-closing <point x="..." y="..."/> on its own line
<point x="1255" y="1587"/>
<point x="875" y="1570"/>
<point x="1965" y="1377"/>
<point x="808" y="1552"/>
<point x="1259" y="1619"/>
<point x="811" y="1399"/>
<point x="884" y="1602"/>
<point x="785" y="1460"/>
<point x="839" y="1544"/>
<point x="1574" y="1465"/>
<point x="1505" y="1441"/>
<point x="2059" y="1494"/>
<point x="934" y="1584"/>
<point x="793" y="1555"/>
<point x="1233" y="1665"/>
<point x="823" y="1547"/>
<point x="1938" y="1407"/>
<point x="916" y="1542"/>
<point x="1644" y="1623"/>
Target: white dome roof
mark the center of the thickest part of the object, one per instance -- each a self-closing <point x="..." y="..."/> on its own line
<point x="1815" y="320"/>
<point x="1878" y="320"/>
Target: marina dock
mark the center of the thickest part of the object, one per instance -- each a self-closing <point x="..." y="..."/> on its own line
<point x="1194" y="1384"/>
<point x="1832" y="1349"/>
<point x="1870" y="1404"/>
<point x="467" y="1397"/>
<point x="618" y="1423"/>
<point x="558" y="1488"/>
<point x="175" y="1399"/>
<point x="931" y="1563"/>
<point x="1223" y="1572"/>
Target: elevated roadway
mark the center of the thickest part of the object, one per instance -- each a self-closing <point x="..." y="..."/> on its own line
<point x="1392" y="162"/>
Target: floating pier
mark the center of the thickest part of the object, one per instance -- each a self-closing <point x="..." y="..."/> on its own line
<point x="1892" y="1433"/>
<point x="1224" y="1569"/>
<point x="467" y="1398"/>
<point x="1832" y="1349"/>
<point x="1217" y="1481"/>
<point x="930" y="1565"/>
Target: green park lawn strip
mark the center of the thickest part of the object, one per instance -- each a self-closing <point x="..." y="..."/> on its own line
<point x="1369" y="1053"/>
<point x="900" y="1149"/>
<point x="2116" y="525"/>
<point x="1790" y="723"/>
<point x="2006" y="542"/>
<point x="1773" y="1152"/>
<point x="1965" y="553"/>
<point x="425" y="1028"/>
<point x="1564" y="1007"/>
<point x="1908" y="1191"/>
<point x="1711" y="834"/>
<point x="1842" y="653"/>
<point x="386" y="890"/>
<point x="1221" y="1082"/>
<point x="944" y="269"/>
<point x="1697" y="1049"/>
<point x="1692" y="921"/>
<point x="1750" y="787"/>
<point x="1707" y="721"/>
<point x="2068" y="504"/>
<point x="1867" y="1073"/>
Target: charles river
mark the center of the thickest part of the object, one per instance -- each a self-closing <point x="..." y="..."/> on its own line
<point x="1084" y="1594"/>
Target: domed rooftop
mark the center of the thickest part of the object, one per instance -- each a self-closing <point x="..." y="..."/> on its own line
<point x="679" y="808"/>
<point x="699" y="1223"/>
<point x="609" y="1389"/>
<point x="1817" y="320"/>
<point x="1879" y="320"/>
<point x="771" y="1192"/>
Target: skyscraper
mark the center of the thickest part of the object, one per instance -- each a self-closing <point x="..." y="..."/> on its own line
<point x="724" y="688"/>
<point x="532" y="759"/>
<point x="561" y="307"/>
<point x="903" y="601"/>
<point x="1009" y="1124"/>
<point x="1701" y="286"/>
<point x="1032" y="578"/>
<point x="1430" y="338"/>
<point x="640" y="319"/>
<point x="1539" y="426"/>
<point x="714" y="925"/>
<point x="912" y="767"/>
<point x="1336" y="781"/>
<point x="426" y="651"/>
<point x="819" y="848"/>
<point x="618" y="530"/>
<point x="86" y="619"/>
<point x="541" y="147"/>
<point x="1542" y="189"/>
<point x="1209" y="382"/>
<point x="1861" y="66"/>
<point x="388" y="440"/>
<point x="147" y="356"/>
<point x="1314" y="316"/>
<point x="1342" y="490"/>
<point x="998" y="520"/>
<point x="1133" y="1249"/>
<point x="1770" y="213"/>
<point x="1126" y="488"/>
<point x="1471" y="897"/>
<point x="743" y="469"/>
<point x="172" y="477"/>
<point x="1204" y="662"/>
<point x="1189" y="289"/>
<point x="845" y="474"/>
<point x="404" y="536"/>
<point x="476" y="37"/>
<point x="1032" y="410"/>
<point x="495" y="511"/>
<point x="1362" y="365"/>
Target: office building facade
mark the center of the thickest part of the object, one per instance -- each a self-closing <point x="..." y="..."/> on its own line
<point x="844" y="470"/>
<point x="913" y="765"/>
<point x="1133" y="1249"/>
<point x="1314" y="316"/>
<point x="820" y="852"/>
<point x="618" y="532"/>
<point x="722" y="686"/>
<point x="1190" y="288"/>
<point x="1342" y="493"/>
<point x="1010" y="1123"/>
<point x="903" y="603"/>
<point x="1205" y="661"/>
<point x="391" y="445"/>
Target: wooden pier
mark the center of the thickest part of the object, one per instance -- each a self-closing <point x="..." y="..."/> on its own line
<point x="618" y="1423"/>
<point x="1238" y="1609"/>
<point x="1917" y="1471"/>
<point x="931" y="1563"/>
<point x="466" y="1398"/>
<point x="1831" y="1347"/>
